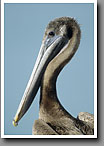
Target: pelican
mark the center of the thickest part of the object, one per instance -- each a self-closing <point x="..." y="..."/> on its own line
<point x="60" y="42"/>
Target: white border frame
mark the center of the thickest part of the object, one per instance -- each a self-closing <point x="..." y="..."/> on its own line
<point x="2" y="69"/>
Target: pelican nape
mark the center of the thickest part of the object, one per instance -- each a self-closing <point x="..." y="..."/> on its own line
<point x="60" y="42"/>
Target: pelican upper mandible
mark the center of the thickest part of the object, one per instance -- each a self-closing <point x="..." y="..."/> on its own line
<point x="60" y="42"/>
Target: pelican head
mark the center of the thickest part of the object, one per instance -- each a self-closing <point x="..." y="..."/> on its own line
<point x="61" y="38"/>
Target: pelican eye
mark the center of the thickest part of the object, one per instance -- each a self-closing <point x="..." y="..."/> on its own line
<point x="51" y="34"/>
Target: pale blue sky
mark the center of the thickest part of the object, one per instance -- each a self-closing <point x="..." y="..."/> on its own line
<point x="24" y="29"/>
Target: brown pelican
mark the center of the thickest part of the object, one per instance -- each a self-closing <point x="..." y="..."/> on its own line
<point x="60" y="42"/>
